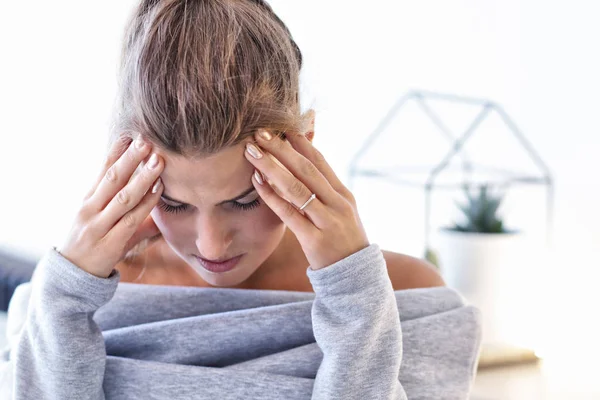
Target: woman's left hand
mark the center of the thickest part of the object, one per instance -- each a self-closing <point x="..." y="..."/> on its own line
<point x="329" y="228"/>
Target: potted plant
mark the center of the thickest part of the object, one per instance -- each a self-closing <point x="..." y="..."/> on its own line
<point x="475" y="255"/>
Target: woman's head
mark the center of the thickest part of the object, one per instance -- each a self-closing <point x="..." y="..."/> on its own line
<point x="197" y="79"/>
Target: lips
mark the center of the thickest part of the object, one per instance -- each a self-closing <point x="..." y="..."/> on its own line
<point x="218" y="267"/>
<point x="216" y="261"/>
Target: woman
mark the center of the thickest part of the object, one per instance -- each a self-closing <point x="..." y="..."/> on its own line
<point x="209" y="161"/>
<point x="198" y="95"/>
<point x="200" y="219"/>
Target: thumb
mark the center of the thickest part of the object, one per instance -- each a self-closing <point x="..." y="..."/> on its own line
<point x="146" y="230"/>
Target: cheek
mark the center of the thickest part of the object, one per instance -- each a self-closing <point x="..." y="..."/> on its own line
<point x="260" y="225"/>
<point x="157" y="217"/>
<point x="261" y="234"/>
<point x="269" y="217"/>
<point x="168" y="229"/>
<point x="259" y="228"/>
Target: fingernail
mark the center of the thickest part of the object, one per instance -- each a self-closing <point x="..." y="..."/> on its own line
<point x="156" y="185"/>
<point x="265" y="134"/>
<point x="258" y="177"/>
<point x="139" y="142"/>
<point x="153" y="162"/>
<point x="253" y="150"/>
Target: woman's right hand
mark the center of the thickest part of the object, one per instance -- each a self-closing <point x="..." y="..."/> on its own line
<point x="115" y="216"/>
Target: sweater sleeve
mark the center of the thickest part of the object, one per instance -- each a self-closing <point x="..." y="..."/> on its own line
<point x="356" y="324"/>
<point x="60" y="353"/>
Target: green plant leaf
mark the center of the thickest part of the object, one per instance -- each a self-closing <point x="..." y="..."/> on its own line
<point x="480" y="211"/>
<point x="432" y="257"/>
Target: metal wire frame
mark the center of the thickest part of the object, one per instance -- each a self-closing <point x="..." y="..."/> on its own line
<point x="511" y="178"/>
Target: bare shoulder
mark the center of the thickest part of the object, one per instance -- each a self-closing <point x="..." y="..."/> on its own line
<point x="407" y="272"/>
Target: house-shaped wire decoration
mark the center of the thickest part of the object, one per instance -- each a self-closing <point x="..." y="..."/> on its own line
<point x="407" y="175"/>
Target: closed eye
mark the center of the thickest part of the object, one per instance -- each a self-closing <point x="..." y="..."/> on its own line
<point x="171" y="209"/>
<point x="246" y="206"/>
<point x="183" y="207"/>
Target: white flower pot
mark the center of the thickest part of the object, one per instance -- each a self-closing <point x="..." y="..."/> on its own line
<point x="481" y="267"/>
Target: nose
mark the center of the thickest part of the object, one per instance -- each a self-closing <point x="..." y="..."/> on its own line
<point x="212" y="238"/>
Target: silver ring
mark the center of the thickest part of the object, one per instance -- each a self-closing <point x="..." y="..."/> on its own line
<point x="311" y="198"/>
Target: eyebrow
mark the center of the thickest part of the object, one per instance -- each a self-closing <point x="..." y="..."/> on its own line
<point x="240" y="196"/>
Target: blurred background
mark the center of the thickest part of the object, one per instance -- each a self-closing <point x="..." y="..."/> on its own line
<point x="535" y="60"/>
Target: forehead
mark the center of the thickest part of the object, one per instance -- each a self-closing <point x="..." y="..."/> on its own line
<point x="215" y="176"/>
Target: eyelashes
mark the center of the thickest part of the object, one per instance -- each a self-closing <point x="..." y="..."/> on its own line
<point x="178" y="209"/>
<point x="246" y="206"/>
<point x="171" y="209"/>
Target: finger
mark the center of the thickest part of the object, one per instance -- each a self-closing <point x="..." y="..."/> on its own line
<point x="146" y="230"/>
<point x="291" y="217"/>
<point x="303" y="146"/>
<point x="129" y="196"/>
<point x="289" y="187"/>
<point x="118" y="174"/>
<point x="115" y="151"/>
<point x="122" y="233"/>
<point x="302" y="168"/>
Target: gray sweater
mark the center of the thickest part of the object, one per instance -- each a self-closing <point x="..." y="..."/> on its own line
<point x="73" y="335"/>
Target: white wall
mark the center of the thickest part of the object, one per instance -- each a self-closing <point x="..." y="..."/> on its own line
<point x="539" y="59"/>
<point x="535" y="58"/>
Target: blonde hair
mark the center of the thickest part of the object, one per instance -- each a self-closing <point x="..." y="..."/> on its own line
<point x="197" y="76"/>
